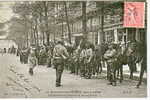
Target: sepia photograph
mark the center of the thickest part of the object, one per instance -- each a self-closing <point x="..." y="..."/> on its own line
<point x="73" y="49"/>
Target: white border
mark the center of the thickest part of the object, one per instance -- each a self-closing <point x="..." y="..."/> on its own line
<point x="148" y="58"/>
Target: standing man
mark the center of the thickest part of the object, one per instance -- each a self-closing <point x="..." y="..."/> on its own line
<point x="110" y="57"/>
<point x="59" y="55"/>
<point x="32" y="59"/>
<point x="89" y="59"/>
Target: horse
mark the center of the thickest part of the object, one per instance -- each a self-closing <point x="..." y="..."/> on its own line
<point x="133" y="53"/>
<point x="121" y="60"/>
<point x="99" y="61"/>
<point x="143" y="60"/>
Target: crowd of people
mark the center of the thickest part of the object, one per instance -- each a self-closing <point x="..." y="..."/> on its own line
<point x="2" y="50"/>
<point x="11" y="50"/>
<point x="84" y="59"/>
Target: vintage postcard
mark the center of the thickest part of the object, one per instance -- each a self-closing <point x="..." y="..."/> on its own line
<point x="73" y="49"/>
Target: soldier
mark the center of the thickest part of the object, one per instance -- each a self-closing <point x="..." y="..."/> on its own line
<point x="42" y="56"/>
<point x="89" y="58"/>
<point x="110" y="57"/>
<point x="32" y="59"/>
<point x="59" y="55"/>
<point x="50" y="55"/>
<point x="4" y="50"/>
<point x="82" y="60"/>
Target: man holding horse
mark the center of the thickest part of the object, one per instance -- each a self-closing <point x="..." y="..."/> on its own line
<point x="110" y="57"/>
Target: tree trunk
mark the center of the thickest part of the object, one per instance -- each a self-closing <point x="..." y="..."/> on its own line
<point x="34" y="35"/>
<point x="41" y="28"/>
<point x="43" y="37"/>
<point x="102" y="23"/>
<point x="26" y="33"/>
<point x="62" y="29"/>
<point x="84" y="24"/>
<point x="67" y="20"/>
<point x="100" y="6"/>
<point x="36" y="32"/>
<point x="46" y="21"/>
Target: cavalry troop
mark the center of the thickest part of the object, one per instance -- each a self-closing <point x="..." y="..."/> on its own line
<point x="87" y="59"/>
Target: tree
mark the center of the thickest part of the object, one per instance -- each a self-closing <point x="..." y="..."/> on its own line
<point x="100" y="6"/>
<point x="84" y="26"/>
<point x="67" y="20"/>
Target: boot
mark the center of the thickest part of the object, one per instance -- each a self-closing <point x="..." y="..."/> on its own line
<point x="31" y="71"/>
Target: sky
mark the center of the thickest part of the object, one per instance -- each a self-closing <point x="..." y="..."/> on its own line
<point x="5" y="13"/>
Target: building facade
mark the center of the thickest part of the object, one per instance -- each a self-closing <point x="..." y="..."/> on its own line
<point x="106" y="25"/>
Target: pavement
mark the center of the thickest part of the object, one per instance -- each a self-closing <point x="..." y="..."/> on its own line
<point x="126" y="72"/>
<point x="15" y="82"/>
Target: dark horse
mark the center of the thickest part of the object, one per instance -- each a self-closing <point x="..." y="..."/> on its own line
<point x="98" y="56"/>
<point x="143" y="59"/>
<point x="132" y="54"/>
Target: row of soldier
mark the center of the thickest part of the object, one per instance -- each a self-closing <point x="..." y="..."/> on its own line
<point x="85" y="59"/>
<point x="11" y="50"/>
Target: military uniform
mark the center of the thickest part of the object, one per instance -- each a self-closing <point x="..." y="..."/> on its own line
<point x="82" y="62"/>
<point x="85" y="59"/>
<point x="42" y="56"/>
<point x="75" y="58"/>
<point x="49" y="60"/>
<point x="89" y="58"/>
<point x="32" y="60"/>
<point x="110" y="57"/>
<point x="59" y="55"/>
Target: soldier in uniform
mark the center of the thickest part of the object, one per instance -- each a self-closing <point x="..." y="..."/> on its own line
<point x="110" y="57"/>
<point x="59" y="55"/>
<point x="4" y="50"/>
<point x="42" y="56"/>
<point x="82" y="60"/>
<point x="89" y="58"/>
<point x="32" y="59"/>
<point x="50" y="55"/>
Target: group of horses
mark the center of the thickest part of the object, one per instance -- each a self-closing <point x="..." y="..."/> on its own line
<point x="127" y="54"/>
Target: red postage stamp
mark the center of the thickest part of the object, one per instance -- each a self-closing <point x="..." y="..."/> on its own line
<point x="134" y="14"/>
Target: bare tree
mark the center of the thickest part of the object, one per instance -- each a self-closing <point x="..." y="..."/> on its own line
<point x="84" y="25"/>
<point x="66" y="14"/>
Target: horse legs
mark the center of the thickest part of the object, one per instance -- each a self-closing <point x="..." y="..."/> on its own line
<point x="114" y="69"/>
<point x="131" y="65"/>
<point x="131" y="74"/>
<point x="76" y="69"/>
<point x="94" y="68"/>
<point x="100" y="67"/>
<point x="108" y="72"/>
<point x="121" y="73"/>
<point x="141" y="75"/>
<point x="115" y="78"/>
<point x="118" y="72"/>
